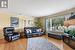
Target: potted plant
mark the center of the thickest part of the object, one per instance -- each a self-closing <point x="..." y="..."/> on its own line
<point x="71" y="30"/>
<point x="65" y="29"/>
<point x="38" y="24"/>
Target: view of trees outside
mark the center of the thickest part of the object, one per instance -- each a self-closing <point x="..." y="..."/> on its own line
<point x="58" y="21"/>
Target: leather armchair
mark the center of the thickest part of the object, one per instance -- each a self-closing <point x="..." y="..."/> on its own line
<point x="9" y="34"/>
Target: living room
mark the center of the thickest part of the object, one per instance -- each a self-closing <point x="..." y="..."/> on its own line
<point x="37" y="25"/>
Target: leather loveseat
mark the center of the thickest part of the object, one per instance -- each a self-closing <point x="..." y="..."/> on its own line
<point x="31" y="31"/>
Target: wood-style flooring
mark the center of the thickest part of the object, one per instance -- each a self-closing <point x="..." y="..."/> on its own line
<point x="21" y="44"/>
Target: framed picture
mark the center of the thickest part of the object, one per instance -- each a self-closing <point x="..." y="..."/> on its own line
<point x="14" y="21"/>
<point x="30" y="22"/>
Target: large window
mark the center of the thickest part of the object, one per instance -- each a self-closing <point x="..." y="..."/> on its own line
<point x="58" y="21"/>
<point x="52" y="24"/>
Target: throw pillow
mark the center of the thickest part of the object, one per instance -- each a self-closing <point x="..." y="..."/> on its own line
<point x="38" y="30"/>
<point x="28" y="31"/>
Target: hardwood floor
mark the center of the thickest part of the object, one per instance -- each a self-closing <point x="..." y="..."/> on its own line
<point x="21" y="44"/>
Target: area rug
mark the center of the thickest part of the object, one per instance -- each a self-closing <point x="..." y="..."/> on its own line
<point x="40" y="44"/>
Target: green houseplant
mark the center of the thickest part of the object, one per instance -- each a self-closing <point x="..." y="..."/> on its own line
<point x="71" y="30"/>
<point x="65" y="29"/>
<point x="38" y="24"/>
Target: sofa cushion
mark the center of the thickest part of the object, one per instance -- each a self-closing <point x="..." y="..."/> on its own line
<point x="28" y="31"/>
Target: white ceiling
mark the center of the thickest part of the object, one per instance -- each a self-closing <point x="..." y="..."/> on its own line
<point x="38" y="7"/>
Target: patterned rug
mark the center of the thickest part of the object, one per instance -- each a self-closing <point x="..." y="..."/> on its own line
<point x="40" y="44"/>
